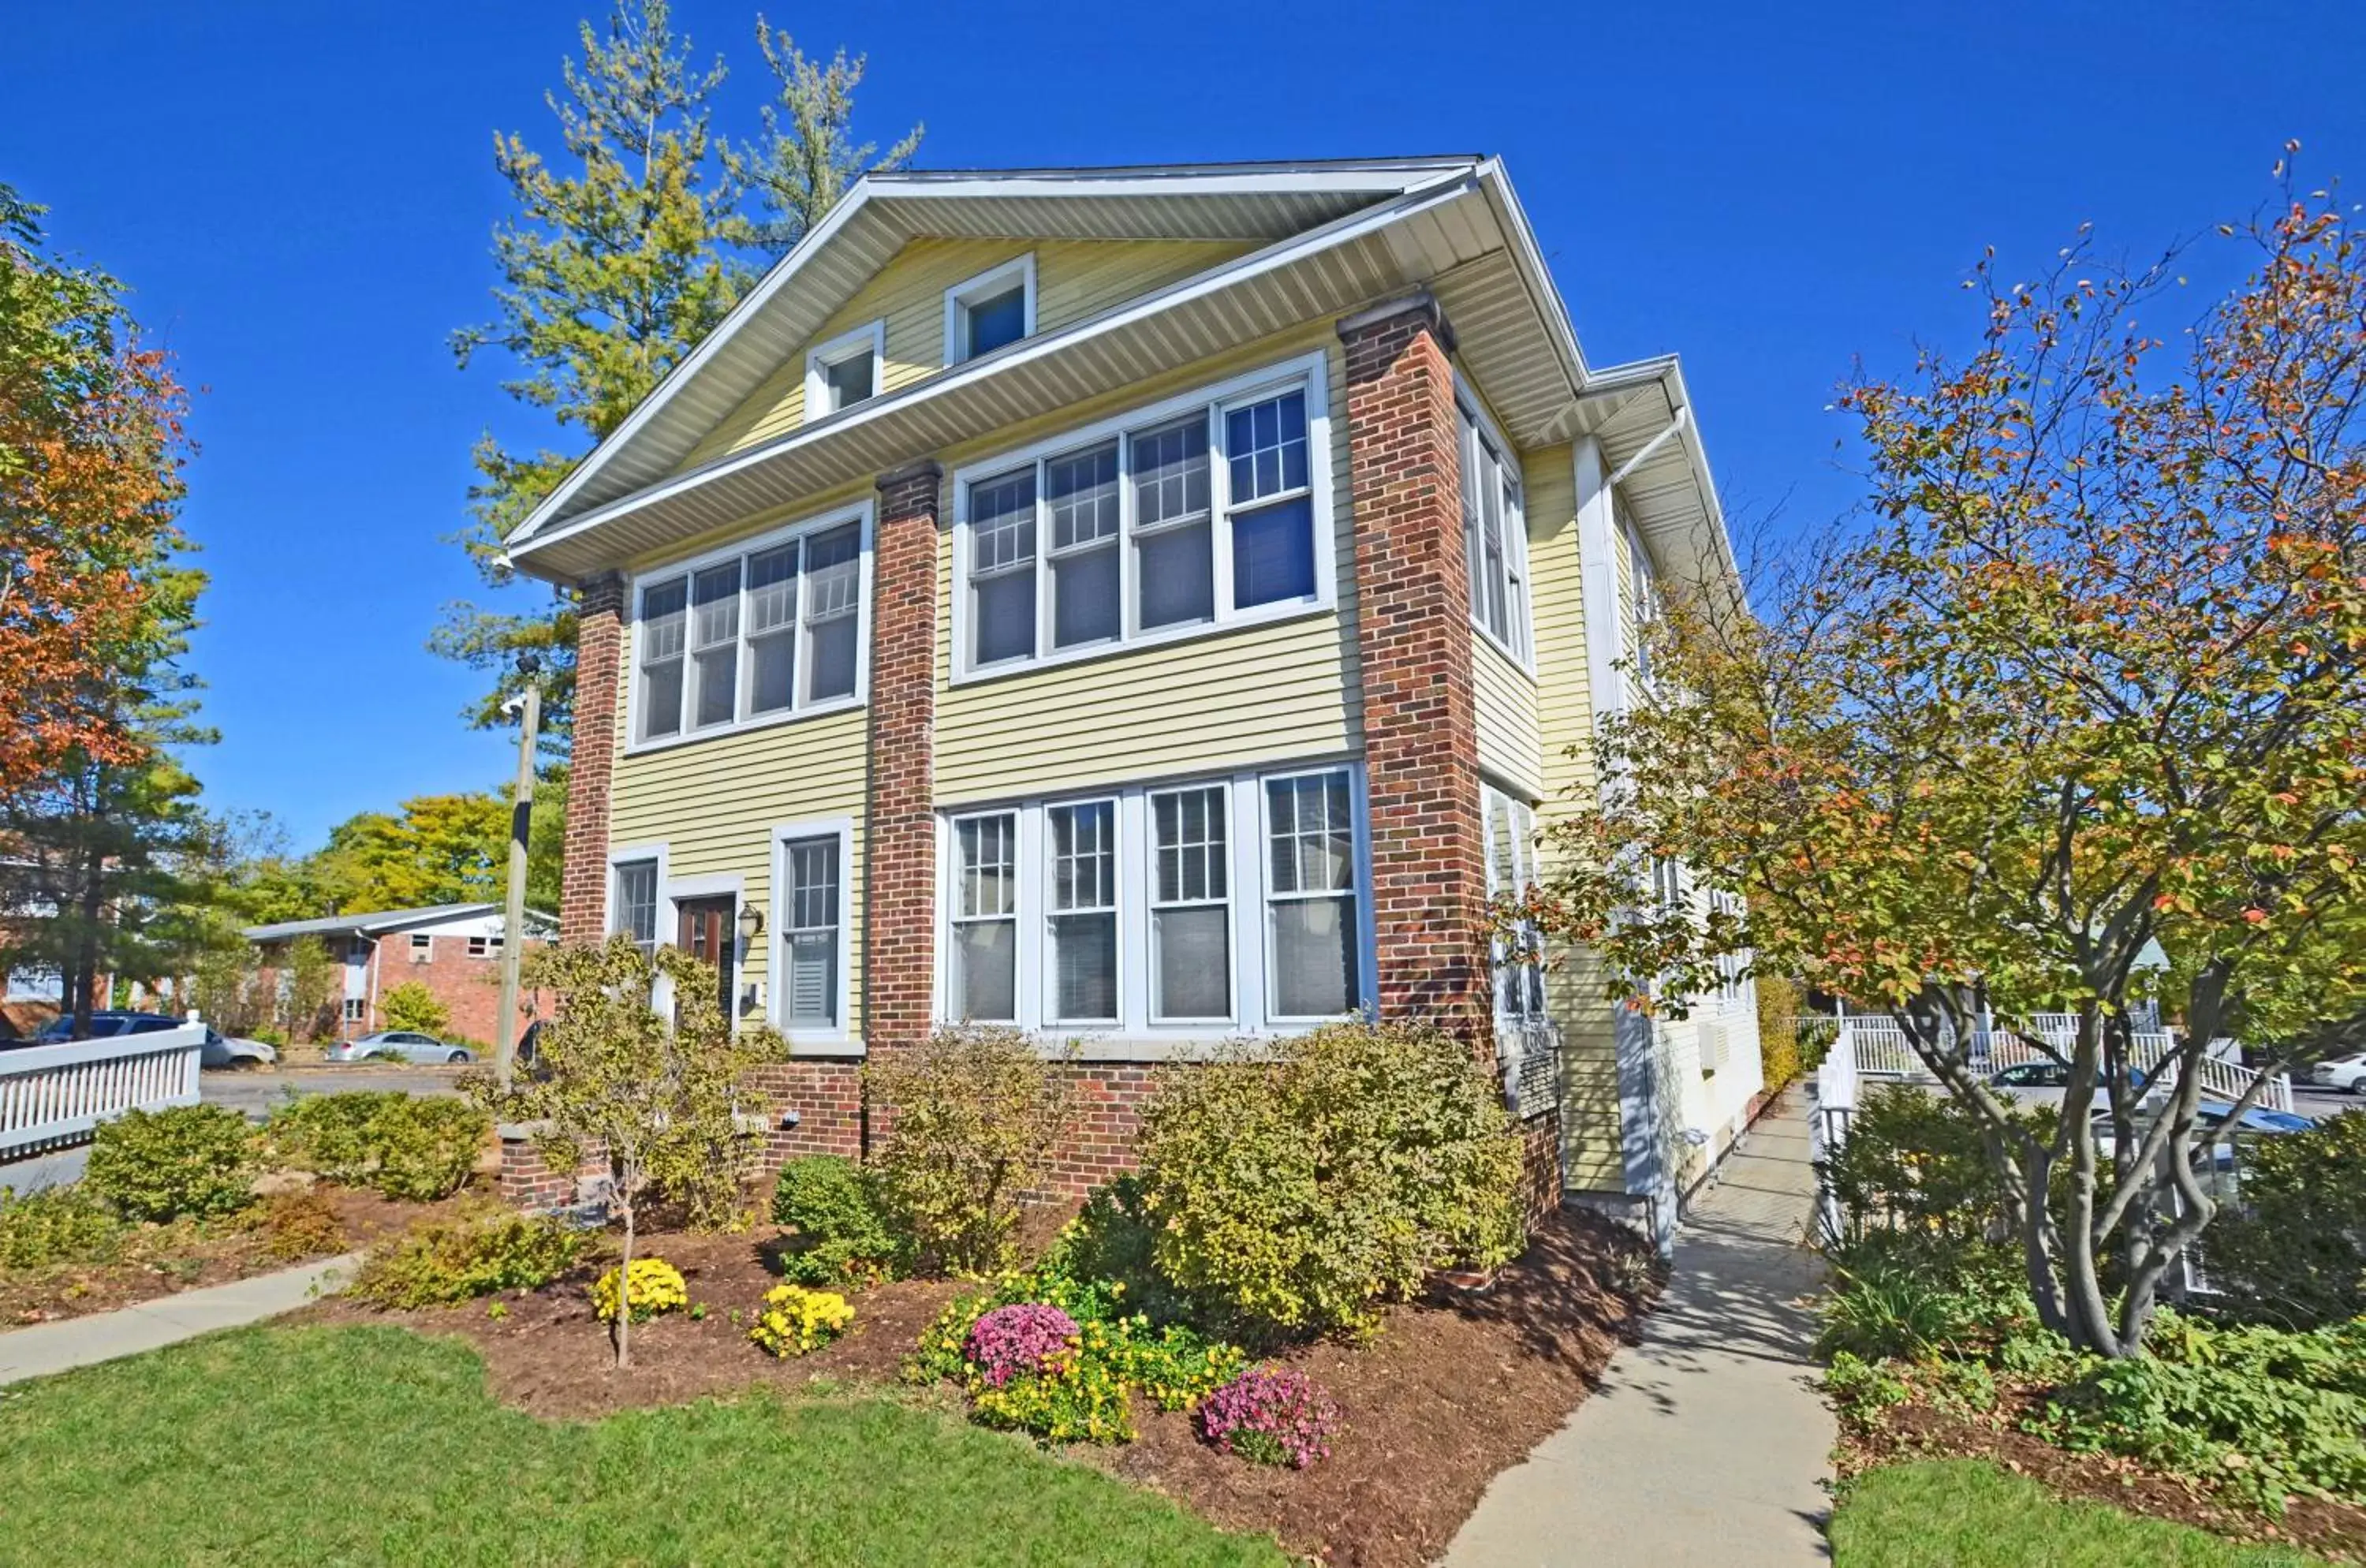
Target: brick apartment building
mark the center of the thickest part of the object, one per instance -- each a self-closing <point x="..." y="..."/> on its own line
<point x="454" y="950"/>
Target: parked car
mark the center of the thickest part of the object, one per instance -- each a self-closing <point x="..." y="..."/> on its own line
<point x="2210" y="1117"/>
<point x="221" y="1050"/>
<point x="399" y="1045"/>
<point x="2342" y="1072"/>
<point x="2047" y="1074"/>
<point x="107" y="1023"/>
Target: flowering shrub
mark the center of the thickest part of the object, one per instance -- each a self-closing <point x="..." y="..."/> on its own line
<point x="1027" y="1337"/>
<point x="657" y="1287"/>
<point x="1006" y="1346"/>
<point x="796" y="1322"/>
<point x="1272" y="1416"/>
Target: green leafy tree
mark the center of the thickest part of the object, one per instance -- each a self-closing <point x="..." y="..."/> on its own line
<point x="413" y="1006"/>
<point x="439" y="849"/>
<point x="609" y="276"/>
<point x="807" y="157"/>
<point x="2094" y="677"/>
<point x="308" y="975"/>
<point x="654" y="1098"/>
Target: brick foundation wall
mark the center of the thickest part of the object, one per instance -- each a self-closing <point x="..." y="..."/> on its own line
<point x="599" y="674"/>
<point x="899" y="816"/>
<point x="1413" y="631"/>
<point x="526" y="1183"/>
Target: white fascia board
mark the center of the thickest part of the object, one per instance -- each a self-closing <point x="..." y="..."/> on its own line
<point x="1279" y="254"/>
<point x="1378" y="179"/>
<point x="697" y="359"/>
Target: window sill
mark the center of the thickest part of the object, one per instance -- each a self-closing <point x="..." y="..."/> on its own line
<point x="825" y="1048"/>
<point x="1525" y="666"/>
<point x="747" y="725"/>
<point x="1263" y="616"/>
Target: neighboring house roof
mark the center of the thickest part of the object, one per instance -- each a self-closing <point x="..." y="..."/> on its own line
<point x="1332" y="237"/>
<point x="372" y="924"/>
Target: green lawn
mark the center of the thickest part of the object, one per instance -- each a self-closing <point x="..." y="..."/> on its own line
<point x="346" y="1446"/>
<point x="1968" y="1514"/>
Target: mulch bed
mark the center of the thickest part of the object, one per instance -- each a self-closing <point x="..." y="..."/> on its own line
<point x="1455" y="1388"/>
<point x="163" y="1260"/>
<point x="2335" y="1530"/>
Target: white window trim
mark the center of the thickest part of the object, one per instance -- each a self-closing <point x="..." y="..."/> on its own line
<point x="842" y="1040"/>
<point x="861" y="513"/>
<point x="631" y="854"/>
<point x="1137" y="1036"/>
<point x="1311" y="371"/>
<point x="1515" y="538"/>
<point x="1520" y="816"/>
<point x="870" y="339"/>
<point x="993" y="280"/>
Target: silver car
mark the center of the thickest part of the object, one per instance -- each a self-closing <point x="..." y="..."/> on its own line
<point x="398" y="1045"/>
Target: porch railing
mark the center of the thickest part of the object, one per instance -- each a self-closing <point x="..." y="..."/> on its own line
<point x="51" y="1096"/>
<point x="1881" y="1051"/>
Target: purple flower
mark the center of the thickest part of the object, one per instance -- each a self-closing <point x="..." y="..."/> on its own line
<point x="1271" y="1415"/>
<point x="1027" y="1339"/>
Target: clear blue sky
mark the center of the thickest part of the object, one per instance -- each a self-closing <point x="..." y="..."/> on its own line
<point x="302" y="195"/>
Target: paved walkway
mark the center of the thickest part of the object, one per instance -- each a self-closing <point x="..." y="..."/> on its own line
<point x="49" y="1348"/>
<point x="1707" y="1443"/>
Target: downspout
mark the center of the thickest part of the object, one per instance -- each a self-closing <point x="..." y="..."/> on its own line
<point x="369" y="1013"/>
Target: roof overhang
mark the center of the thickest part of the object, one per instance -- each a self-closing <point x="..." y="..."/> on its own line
<point x="1642" y="416"/>
<point x="1338" y="237"/>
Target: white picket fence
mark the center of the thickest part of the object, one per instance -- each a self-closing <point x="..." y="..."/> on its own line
<point x="51" y="1096"/>
<point x="1880" y="1049"/>
<point x="1829" y="1119"/>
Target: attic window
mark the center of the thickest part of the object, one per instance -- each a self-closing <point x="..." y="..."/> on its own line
<point x="991" y="310"/>
<point x="845" y="371"/>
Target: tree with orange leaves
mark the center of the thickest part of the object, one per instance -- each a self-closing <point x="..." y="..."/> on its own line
<point x="2089" y="688"/>
<point x="91" y="448"/>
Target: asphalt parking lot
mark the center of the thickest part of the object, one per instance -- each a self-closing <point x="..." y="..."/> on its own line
<point x="251" y="1094"/>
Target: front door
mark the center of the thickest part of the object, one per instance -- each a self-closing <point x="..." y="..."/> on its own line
<point x="706" y="932"/>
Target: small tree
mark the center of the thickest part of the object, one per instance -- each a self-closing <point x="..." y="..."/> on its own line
<point x="308" y="972"/>
<point x="619" y="1081"/>
<point x="976" y="1112"/>
<point x="413" y="1007"/>
<point x="2093" y="680"/>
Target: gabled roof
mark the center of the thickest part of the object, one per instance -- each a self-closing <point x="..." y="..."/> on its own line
<point x="383" y="920"/>
<point x="1336" y="237"/>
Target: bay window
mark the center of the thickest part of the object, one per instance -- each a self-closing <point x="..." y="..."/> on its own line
<point x="762" y="633"/>
<point x="1200" y="513"/>
<point x="1198" y="909"/>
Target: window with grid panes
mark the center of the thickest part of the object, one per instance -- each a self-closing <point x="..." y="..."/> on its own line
<point x="986" y="918"/>
<point x="1083" y="913"/>
<point x="810" y="941"/>
<point x="1190" y="911"/>
<point x="1310" y="891"/>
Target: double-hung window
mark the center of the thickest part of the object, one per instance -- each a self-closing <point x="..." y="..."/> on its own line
<point x="1309" y="833"/>
<point x="986" y="918"/>
<point x="1200" y="513"/>
<point x="1510" y="869"/>
<point x="1493" y="535"/>
<point x="757" y="635"/>
<point x="1084" y="912"/>
<point x="1191" y="909"/>
<point x="635" y="904"/>
<point x="810" y="911"/>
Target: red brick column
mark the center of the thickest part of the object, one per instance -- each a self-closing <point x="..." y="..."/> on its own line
<point x="599" y="669"/>
<point x="899" y="824"/>
<point x="1413" y="631"/>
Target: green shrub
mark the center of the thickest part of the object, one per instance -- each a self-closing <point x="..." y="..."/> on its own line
<point x="2261" y="1437"/>
<point x="978" y="1113"/>
<point x="1916" y="1163"/>
<point x="192" y="1160"/>
<point x="2293" y="1254"/>
<point x="1922" y="1298"/>
<point x="406" y="1146"/>
<point x="438" y="1262"/>
<point x="57" y="1224"/>
<point x="1113" y="1239"/>
<point x="1297" y="1192"/>
<point x="301" y="1225"/>
<point x="413" y="1006"/>
<point x="843" y="1230"/>
<point x="1862" y="1389"/>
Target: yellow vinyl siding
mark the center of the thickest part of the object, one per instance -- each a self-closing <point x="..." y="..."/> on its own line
<point x="713" y="804"/>
<point x="1267" y="693"/>
<point x="1074" y="279"/>
<point x="1592" y="1157"/>
<point x="1510" y="741"/>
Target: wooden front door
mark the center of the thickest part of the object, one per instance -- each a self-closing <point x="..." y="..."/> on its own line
<point x="706" y="932"/>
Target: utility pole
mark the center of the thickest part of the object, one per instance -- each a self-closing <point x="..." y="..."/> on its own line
<point x="505" y="1029"/>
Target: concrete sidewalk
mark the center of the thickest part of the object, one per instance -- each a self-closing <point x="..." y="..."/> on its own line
<point x="49" y="1348"/>
<point x="1707" y="1443"/>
